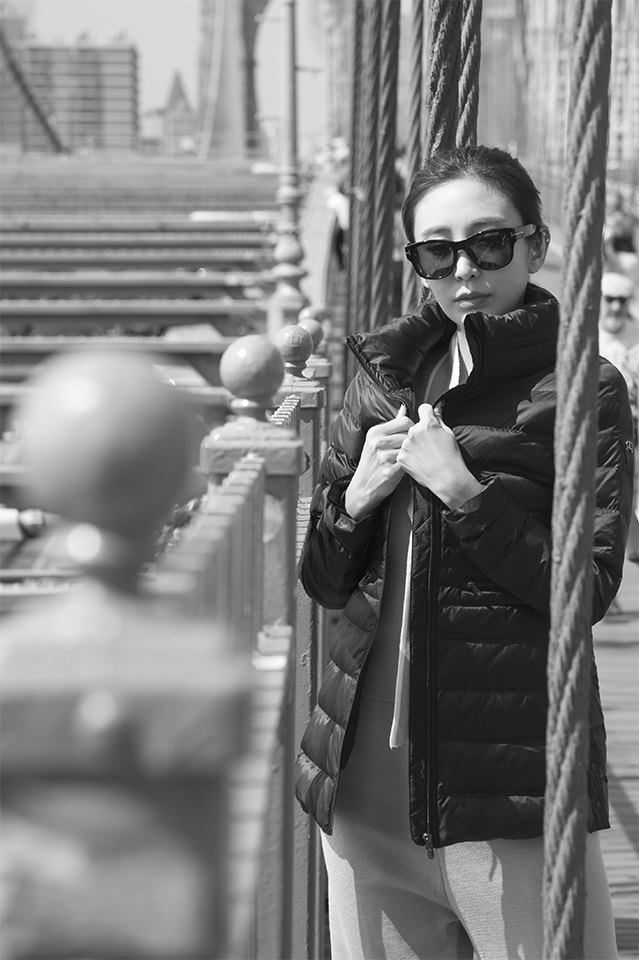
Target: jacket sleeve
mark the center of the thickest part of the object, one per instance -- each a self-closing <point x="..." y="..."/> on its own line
<point x="512" y="547"/>
<point x="336" y="547"/>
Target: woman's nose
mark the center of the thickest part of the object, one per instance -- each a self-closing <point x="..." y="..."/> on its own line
<point x="464" y="267"/>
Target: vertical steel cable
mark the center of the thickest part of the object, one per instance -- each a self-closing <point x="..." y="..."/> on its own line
<point x="569" y="657"/>
<point x="468" y="94"/>
<point x="372" y="33"/>
<point x="443" y="79"/>
<point x="355" y="168"/>
<point x="411" y="287"/>
<point x="386" y="179"/>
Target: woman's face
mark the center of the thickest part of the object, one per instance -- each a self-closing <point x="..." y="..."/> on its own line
<point x="456" y="210"/>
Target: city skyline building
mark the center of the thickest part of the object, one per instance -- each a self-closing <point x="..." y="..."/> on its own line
<point x="92" y="91"/>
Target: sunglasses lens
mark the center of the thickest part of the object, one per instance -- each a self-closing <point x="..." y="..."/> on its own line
<point x="492" y="249"/>
<point x="620" y="300"/>
<point x="434" y="259"/>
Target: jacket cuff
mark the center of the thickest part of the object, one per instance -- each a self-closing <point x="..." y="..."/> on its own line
<point x="349" y="533"/>
<point x="475" y="515"/>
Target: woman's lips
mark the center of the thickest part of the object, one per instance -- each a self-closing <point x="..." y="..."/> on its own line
<point x="470" y="299"/>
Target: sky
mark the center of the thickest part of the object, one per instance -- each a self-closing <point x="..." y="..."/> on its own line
<point x="166" y="34"/>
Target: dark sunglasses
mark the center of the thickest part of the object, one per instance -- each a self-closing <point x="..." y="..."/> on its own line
<point x="489" y="250"/>
<point x="622" y="300"/>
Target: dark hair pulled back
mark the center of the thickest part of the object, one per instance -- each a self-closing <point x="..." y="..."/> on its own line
<point x="493" y="166"/>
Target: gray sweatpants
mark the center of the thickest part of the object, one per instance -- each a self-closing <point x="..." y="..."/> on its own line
<point x="388" y="901"/>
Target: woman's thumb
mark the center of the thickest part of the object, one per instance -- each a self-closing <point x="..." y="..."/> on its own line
<point x="401" y="412"/>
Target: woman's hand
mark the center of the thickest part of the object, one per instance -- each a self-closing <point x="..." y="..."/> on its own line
<point x="431" y="455"/>
<point x="378" y="472"/>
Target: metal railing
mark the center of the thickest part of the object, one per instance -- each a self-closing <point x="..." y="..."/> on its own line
<point x="233" y="568"/>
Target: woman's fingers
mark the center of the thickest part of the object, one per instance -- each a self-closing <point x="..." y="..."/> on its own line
<point x="400" y="423"/>
<point x="389" y="441"/>
<point x="432" y="417"/>
<point x="428" y="414"/>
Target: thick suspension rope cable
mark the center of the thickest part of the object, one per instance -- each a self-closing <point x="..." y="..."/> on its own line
<point x="355" y="204"/>
<point x="411" y="286"/>
<point x="386" y="178"/>
<point x="371" y="58"/>
<point x="569" y="662"/>
<point x="443" y="77"/>
<point x="468" y="94"/>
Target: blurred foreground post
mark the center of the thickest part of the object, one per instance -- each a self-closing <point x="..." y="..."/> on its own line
<point x="121" y="716"/>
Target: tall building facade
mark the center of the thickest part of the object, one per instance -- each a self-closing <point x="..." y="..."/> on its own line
<point x="93" y="92"/>
<point x="65" y="96"/>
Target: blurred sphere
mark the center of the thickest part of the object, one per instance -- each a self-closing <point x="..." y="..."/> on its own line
<point x="106" y="441"/>
<point x="252" y="368"/>
<point x="312" y="313"/>
<point x="314" y="327"/>
<point x="294" y="343"/>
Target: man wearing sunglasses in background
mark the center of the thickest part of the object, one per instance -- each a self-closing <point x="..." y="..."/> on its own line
<point x="619" y="343"/>
<point x="618" y="328"/>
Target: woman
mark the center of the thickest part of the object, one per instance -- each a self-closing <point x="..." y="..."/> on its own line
<point x="423" y="762"/>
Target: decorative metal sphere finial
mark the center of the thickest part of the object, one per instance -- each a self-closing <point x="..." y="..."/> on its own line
<point x="252" y="369"/>
<point x="312" y="325"/>
<point x="312" y="313"/>
<point x="108" y="448"/>
<point x="296" y="345"/>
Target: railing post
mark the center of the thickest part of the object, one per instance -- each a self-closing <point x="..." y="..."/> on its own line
<point x="295" y="345"/>
<point x="313" y="621"/>
<point x="252" y="369"/>
<point x="318" y="365"/>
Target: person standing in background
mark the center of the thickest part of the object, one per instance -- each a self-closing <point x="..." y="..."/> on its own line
<point x="620" y="242"/>
<point x="630" y="370"/>
<point x="618" y="328"/>
<point x="338" y="201"/>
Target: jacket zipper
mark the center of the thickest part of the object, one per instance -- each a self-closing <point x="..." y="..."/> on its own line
<point x="430" y="837"/>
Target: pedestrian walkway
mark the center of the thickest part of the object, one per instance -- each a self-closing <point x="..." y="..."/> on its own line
<point x="617" y="653"/>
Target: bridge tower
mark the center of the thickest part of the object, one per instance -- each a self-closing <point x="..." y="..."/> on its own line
<point x="227" y="102"/>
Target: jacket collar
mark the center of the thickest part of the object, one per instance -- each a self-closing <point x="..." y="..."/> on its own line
<point x="503" y="348"/>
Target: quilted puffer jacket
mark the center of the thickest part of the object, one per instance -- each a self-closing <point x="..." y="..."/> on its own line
<point x="480" y="588"/>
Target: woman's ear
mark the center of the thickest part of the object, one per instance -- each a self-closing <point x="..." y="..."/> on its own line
<point x="538" y="243"/>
